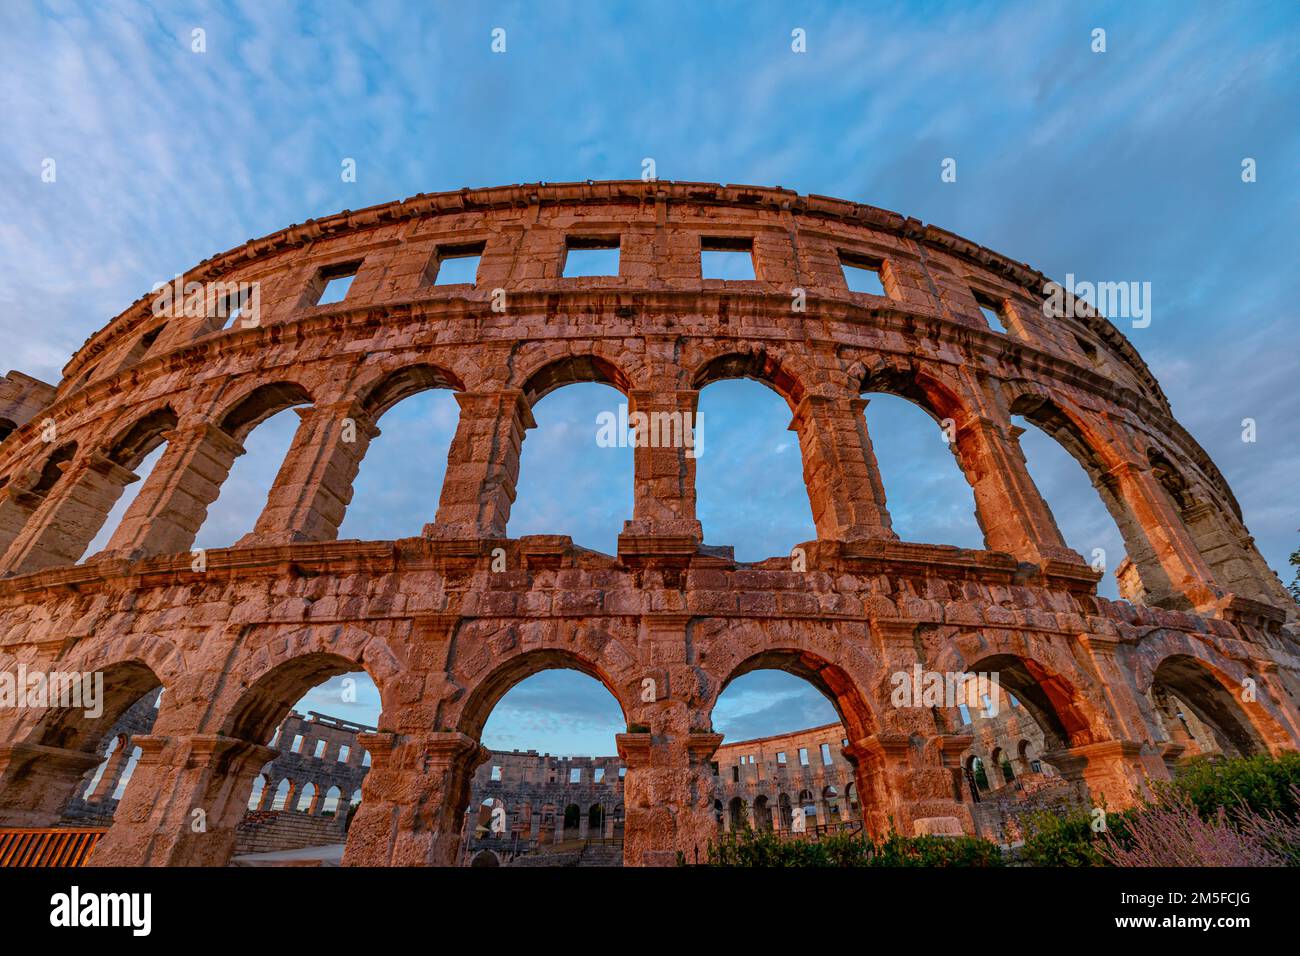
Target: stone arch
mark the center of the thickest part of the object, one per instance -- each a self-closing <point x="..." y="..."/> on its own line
<point x="779" y="372"/>
<point x="145" y="433"/>
<point x="21" y="499"/>
<point x="486" y="690"/>
<point x="485" y="858"/>
<point x="383" y="391"/>
<point x="834" y="680"/>
<point x="914" y="382"/>
<point x="64" y="743"/>
<point x="1240" y="728"/>
<point x="262" y="704"/>
<point x="258" y="404"/>
<point x="584" y="367"/>
<point x="1160" y="548"/>
<point x="1050" y="698"/>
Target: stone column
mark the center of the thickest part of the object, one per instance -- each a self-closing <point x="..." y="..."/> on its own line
<point x="36" y="782"/>
<point x="1008" y="506"/>
<point x="1171" y="568"/>
<point x="911" y="785"/>
<point x="413" y="799"/>
<point x="70" y="516"/>
<point x="668" y="437"/>
<point x="483" y="465"/>
<point x="840" y="470"/>
<point x="311" y="491"/>
<point x="166" y="515"/>
<point x="186" y="798"/>
<point x="113" y="770"/>
<point x="667" y="796"/>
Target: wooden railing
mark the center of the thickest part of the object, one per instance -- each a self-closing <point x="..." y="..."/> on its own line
<point x="48" y="847"/>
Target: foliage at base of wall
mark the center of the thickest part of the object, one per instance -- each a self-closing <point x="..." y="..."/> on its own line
<point x="1241" y="812"/>
<point x="746" y="848"/>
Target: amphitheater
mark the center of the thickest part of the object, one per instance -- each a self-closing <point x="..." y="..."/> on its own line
<point x="446" y="622"/>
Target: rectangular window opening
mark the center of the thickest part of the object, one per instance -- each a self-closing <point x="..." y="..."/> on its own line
<point x="727" y="258"/>
<point x="863" y="274"/>
<point x="803" y="756"/>
<point x="575" y="775"/>
<point x="598" y="775"/>
<point x="590" y="256"/>
<point x="335" y="282"/>
<point x="826" y="754"/>
<point x="456" y="265"/>
<point x="496" y="773"/>
<point x="780" y="757"/>
<point x="297" y="744"/>
<point x="320" y="749"/>
<point x="994" y="312"/>
<point x="344" y="752"/>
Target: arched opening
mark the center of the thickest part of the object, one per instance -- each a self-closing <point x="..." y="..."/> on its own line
<point x="395" y="491"/>
<point x="928" y="495"/>
<point x="575" y="469"/>
<point x="17" y="507"/>
<point x="1091" y="516"/>
<point x="786" y="718"/>
<point x="1199" y="713"/>
<point x="264" y="426"/>
<point x="749" y="476"/>
<point x="737" y="817"/>
<point x="93" y="754"/>
<point x="310" y="709"/>
<point x="485" y="858"/>
<point x="548" y="720"/>
<point x="762" y="813"/>
<point x="137" y="451"/>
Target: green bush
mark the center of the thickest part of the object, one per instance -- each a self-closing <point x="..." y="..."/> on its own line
<point x="745" y="848"/>
<point x="1060" y="836"/>
<point x="1260" y="784"/>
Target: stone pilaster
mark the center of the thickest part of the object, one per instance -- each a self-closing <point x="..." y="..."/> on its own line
<point x="166" y="515"/>
<point x="186" y="798"/>
<point x="1008" y="506"/>
<point x="668" y="796"/>
<point x="312" y="490"/>
<point x="667" y="440"/>
<point x="840" y="469"/>
<point x="36" y="782"/>
<point x="483" y="465"/>
<point x="413" y="799"/>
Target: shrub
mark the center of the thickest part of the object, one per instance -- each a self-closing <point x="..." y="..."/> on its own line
<point x="1261" y="784"/>
<point x="1060" y="836"/>
<point x="745" y="848"/>
<point x="1174" y="833"/>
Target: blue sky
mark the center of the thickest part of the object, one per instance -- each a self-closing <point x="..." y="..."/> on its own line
<point x="1122" y="165"/>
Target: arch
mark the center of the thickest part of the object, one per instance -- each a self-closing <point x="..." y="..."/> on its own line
<point x="485" y="858"/>
<point x="283" y="795"/>
<point x="1213" y="698"/>
<point x="1049" y="697"/>
<point x="830" y="679"/>
<point x="760" y="365"/>
<point x="381" y="394"/>
<point x="489" y="689"/>
<point x="264" y="704"/>
<point x="574" y="368"/>
<point x="245" y="414"/>
<point x="785" y="814"/>
<point x="53" y="468"/>
<point x="595" y="819"/>
<point x="762" y="813"/>
<point x="911" y="381"/>
<point x="572" y="821"/>
<point x="737" y="817"/>
<point x="124" y="683"/>
<point x="306" y="802"/>
<point x="330" y="806"/>
<point x="142" y="436"/>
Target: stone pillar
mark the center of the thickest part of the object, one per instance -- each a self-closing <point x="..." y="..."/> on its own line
<point x="113" y="770"/>
<point x="314" y="484"/>
<point x="70" y="516"/>
<point x="36" y="782"/>
<point x="667" y="439"/>
<point x="840" y="470"/>
<point x="1008" y="506"/>
<point x="1172" y="570"/>
<point x="912" y="785"/>
<point x="413" y="799"/>
<point x="667" y="796"/>
<point x="16" y="509"/>
<point x="166" y="515"/>
<point x="1115" y="772"/>
<point x="186" y="798"/>
<point x="483" y="465"/>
